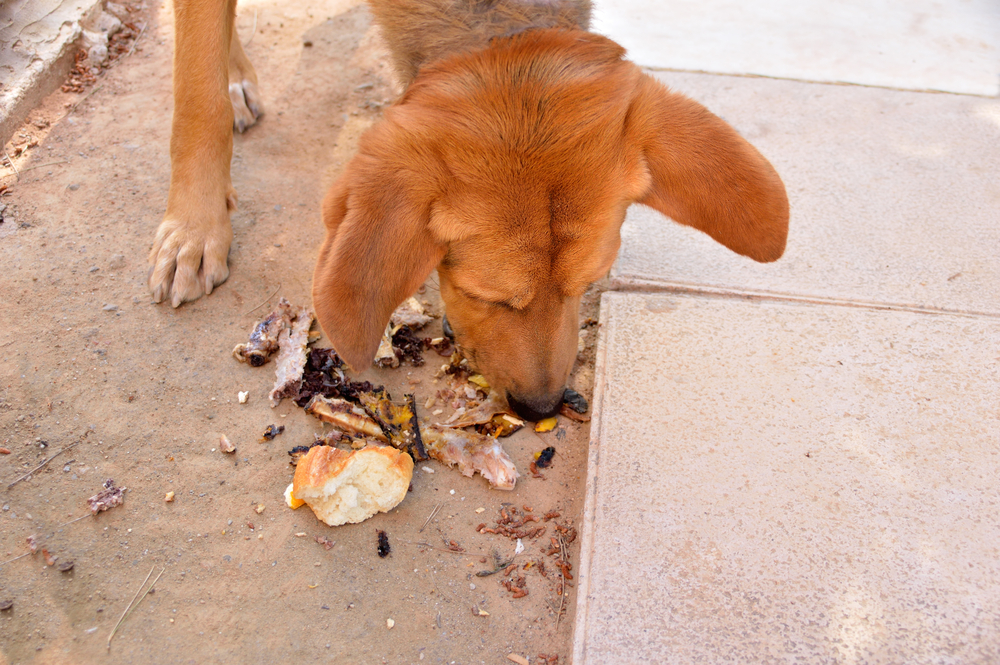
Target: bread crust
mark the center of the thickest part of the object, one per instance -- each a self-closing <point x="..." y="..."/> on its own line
<point x="323" y="466"/>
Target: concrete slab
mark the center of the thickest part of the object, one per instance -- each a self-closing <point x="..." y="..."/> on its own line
<point x="776" y="482"/>
<point x="919" y="45"/>
<point x="894" y="198"/>
<point x="38" y="39"/>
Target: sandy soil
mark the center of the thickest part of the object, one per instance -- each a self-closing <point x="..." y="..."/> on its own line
<point x="142" y="391"/>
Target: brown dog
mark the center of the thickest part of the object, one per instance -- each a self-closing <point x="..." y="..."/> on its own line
<point x="507" y="164"/>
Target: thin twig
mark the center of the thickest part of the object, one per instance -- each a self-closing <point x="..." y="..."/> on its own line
<point x="28" y="475"/>
<point x="38" y="166"/>
<point x="129" y="606"/>
<point x="12" y="165"/>
<point x="263" y="303"/>
<point x="430" y="517"/>
<point x="562" y="575"/>
<point x="254" y="31"/>
<point x="4" y="563"/>
<point x="442" y="549"/>
<point x="136" y="41"/>
<point x="80" y="101"/>
<point x="76" y="520"/>
<point x="143" y="596"/>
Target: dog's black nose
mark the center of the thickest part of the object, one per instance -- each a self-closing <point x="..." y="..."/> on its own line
<point x="535" y="409"/>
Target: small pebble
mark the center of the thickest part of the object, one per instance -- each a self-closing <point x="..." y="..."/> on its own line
<point x="110" y="308"/>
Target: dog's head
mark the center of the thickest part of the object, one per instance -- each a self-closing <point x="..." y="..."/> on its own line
<point x="510" y="170"/>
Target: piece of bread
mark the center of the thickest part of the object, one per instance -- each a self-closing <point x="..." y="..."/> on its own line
<point x="350" y="486"/>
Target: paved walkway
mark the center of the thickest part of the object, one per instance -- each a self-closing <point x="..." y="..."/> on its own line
<point x="800" y="462"/>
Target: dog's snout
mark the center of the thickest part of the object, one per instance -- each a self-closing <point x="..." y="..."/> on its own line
<point x="535" y="408"/>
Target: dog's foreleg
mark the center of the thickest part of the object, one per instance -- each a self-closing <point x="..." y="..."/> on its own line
<point x="191" y="248"/>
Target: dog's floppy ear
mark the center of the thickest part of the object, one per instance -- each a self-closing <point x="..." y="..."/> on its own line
<point x="706" y="175"/>
<point x="378" y="250"/>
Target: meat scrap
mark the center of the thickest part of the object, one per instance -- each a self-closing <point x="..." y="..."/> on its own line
<point x="264" y="338"/>
<point x="411" y="313"/>
<point x="107" y="498"/>
<point x="291" y="361"/>
<point x="348" y="417"/>
<point x="471" y="452"/>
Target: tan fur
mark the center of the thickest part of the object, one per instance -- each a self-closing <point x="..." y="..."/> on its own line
<point x="423" y="31"/>
<point x="513" y="166"/>
<point x="507" y="164"/>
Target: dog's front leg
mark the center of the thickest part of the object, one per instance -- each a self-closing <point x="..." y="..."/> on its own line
<point x="190" y="252"/>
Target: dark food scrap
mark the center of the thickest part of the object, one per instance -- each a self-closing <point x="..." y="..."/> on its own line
<point x="324" y="375"/>
<point x="33" y="543"/>
<point x="399" y="345"/>
<point x="325" y="542"/>
<point x="298" y="452"/>
<point x="264" y="338"/>
<point x="107" y="498"/>
<point x="272" y="431"/>
<point x="407" y="346"/>
<point x="575" y="401"/>
<point x="544" y="458"/>
<point x="383" y="544"/>
<point x="65" y="566"/>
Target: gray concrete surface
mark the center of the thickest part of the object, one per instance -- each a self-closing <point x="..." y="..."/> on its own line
<point x="799" y="462"/>
<point x="894" y="198"/>
<point x="38" y="39"/>
<point x="781" y="482"/>
<point x="917" y="45"/>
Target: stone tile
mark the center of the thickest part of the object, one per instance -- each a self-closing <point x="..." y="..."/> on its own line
<point x="779" y="482"/>
<point x="894" y="197"/>
<point x="918" y="45"/>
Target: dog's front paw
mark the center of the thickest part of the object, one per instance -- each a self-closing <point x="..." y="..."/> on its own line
<point x="190" y="254"/>
<point x="247" y="106"/>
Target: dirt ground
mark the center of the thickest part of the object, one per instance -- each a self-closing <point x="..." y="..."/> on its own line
<point x="141" y="392"/>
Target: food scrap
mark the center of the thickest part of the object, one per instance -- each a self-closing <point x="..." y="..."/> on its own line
<point x="169" y="497"/>
<point x="264" y="338"/>
<point x="543" y="459"/>
<point x="270" y="432"/>
<point x="326" y="542"/>
<point x="107" y="498"/>
<point x="350" y="486"/>
<point x="383" y="545"/>
<point x="225" y="445"/>
<point x="290" y="499"/>
<point x="575" y="401"/>
<point x="546" y="425"/>
<point x="291" y="362"/>
<point x="348" y="417"/>
<point x="471" y="452"/>
<point x="398" y="421"/>
<point x="411" y="313"/>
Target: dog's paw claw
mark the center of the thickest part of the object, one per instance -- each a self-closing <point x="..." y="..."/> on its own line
<point x="187" y="262"/>
<point x="247" y="106"/>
